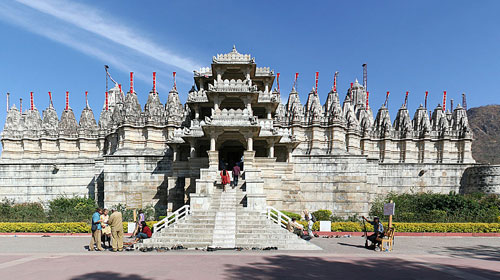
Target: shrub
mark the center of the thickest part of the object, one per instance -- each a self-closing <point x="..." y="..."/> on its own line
<point x="292" y="215"/>
<point x="322" y="215"/>
<point x="451" y="208"/>
<point x="74" y="209"/>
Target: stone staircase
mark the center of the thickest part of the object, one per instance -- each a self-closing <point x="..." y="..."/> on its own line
<point x="227" y="224"/>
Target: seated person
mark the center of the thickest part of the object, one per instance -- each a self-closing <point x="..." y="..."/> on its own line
<point x="378" y="230"/>
<point x="145" y="232"/>
<point x="295" y="227"/>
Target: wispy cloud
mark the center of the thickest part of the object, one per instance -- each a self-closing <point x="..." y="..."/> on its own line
<point x="92" y="20"/>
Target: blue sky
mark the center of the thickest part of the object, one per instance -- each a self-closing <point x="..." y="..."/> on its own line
<point x="48" y="45"/>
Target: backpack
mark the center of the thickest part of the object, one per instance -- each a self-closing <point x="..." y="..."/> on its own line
<point x="313" y="218"/>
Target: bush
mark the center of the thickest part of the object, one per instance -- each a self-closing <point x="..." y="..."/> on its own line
<point x="298" y="217"/>
<point x="450" y="208"/>
<point x="322" y="215"/>
<point x="74" y="209"/>
<point x="23" y="212"/>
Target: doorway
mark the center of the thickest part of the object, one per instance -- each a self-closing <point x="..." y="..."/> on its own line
<point x="230" y="154"/>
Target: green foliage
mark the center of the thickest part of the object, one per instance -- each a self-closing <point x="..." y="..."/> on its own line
<point x="128" y="214"/>
<point x="22" y="212"/>
<point x="73" y="209"/>
<point x="322" y="215"/>
<point x="447" y="208"/>
<point x="292" y="215"/>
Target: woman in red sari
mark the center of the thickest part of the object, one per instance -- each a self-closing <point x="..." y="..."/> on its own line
<point x="225" y="178"/>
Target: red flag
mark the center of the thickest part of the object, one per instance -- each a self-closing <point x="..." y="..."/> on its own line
<point x="444" y="101"/>
<point x="67" y="100"/>
<point x="154" y="82"/>
<point x="106" y="100"/>
<point x="278" y="81"/>
<point x="316" y="87"/>
<point x="426" y="93"/>
<point x="131" y="82"/>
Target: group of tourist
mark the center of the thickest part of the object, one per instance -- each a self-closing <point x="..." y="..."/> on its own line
<point x="226" y="179"/>
<point x="297" y="228"/>
<point x="110" y="228"/>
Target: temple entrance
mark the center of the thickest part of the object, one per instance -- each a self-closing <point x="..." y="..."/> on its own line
<point x="230" y="154"/>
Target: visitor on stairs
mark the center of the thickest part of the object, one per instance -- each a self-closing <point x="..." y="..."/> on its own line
<point x="225" y="179"/>
<point x="295" y="227"/>
<point x="236" y="173"/>
<point x="145" y="232"/>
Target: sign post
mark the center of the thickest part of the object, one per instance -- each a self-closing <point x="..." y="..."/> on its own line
<point x="389" y="209"/>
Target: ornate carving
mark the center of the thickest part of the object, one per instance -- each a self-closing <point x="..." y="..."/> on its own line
<point x="87" y="126"/>
<point x="13" y="127"/>
<point x="154" y="110"/>
<point x="68" y="127"/>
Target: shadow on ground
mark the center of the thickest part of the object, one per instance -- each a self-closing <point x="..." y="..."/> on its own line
<point x="293" y="267"/>
<point x="108" y="276"/>
<point x="482" y="252"/>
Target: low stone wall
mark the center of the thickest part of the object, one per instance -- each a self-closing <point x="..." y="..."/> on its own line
<point x="44" y="180"/>
<point x="481" y="178"/>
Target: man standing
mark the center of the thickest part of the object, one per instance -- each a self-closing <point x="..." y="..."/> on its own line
<point x="96" y="230"/>
<point x="116" y="223"/>
<point x="236" y="173"/>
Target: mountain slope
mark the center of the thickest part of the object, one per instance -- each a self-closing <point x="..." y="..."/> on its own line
<point x="485" y="124"/>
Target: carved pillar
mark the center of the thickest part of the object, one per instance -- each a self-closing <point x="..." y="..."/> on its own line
<point x="271" y="150"/>
<point x="250" y="144"/>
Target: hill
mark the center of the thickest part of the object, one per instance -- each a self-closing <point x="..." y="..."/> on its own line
<point x="485" y="124"/>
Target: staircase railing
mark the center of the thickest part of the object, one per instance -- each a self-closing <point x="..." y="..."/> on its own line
<point x="173" y="218"/>
<point x="277" y="216"/>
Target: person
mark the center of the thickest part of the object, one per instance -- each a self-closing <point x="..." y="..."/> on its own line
<point x="293" y="226"/>
<point x="138" y="224"/>
<point x="236" y="173"/>
<point x="106" y="229"/>
<point x="96" y="230"/>
<point x="225" y="178"/>
<point x="116" y="223"/>
<point x="378" y="230"/>
<point x="145" y="232"/>
<point x="309" y="218"/>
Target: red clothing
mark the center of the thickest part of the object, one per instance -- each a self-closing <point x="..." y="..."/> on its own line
<point x="147" y="231"/>
<point x="225" y="179"/>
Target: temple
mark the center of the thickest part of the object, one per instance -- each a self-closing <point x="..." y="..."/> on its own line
<point x="337" y="156"/>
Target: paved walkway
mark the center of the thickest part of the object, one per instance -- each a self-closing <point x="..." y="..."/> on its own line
<point x="342" y="258"/>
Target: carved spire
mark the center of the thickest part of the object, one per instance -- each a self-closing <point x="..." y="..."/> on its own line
<point x="154" y="110"/>
<point x="313" y="109"/>
<point x="68" y="126"/>
<point x="87" y="126"/>
<point x="421" y="122"/>
<point x="13" y="127"/>
<point x="383" y="127"/>
<point x="294" y="109"/>
<point x="402" y="123"/>
<point x="173" y="108"/>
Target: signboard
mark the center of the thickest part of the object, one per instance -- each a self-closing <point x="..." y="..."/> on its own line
<point x="389" y="208"/>
<point x="134" y="200"/>
<point x="325" y="226"/>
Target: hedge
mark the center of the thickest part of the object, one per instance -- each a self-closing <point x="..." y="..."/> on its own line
<point x="415" y="227"/>
<point x="54" y="227"/>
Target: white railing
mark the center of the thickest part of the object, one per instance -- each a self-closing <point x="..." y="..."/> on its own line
<point x="173" y="218"/>
<point x="277" y="217"/>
